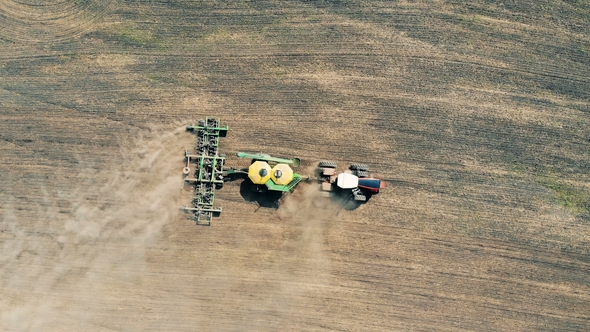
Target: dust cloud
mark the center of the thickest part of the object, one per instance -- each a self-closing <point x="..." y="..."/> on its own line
<point x="61" y="268"/>
<point x="304" y="256"/>
<point x="82" y="260"/>
<point x="314" y="213"/>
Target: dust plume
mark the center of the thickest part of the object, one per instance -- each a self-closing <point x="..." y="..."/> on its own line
<point x="302" y="254"/>
<point x="56" y="264"/>
<point x="313" y="212"/>
<point x="315" y="215"/>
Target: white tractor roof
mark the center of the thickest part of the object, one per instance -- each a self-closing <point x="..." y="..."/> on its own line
<point x="347" y="181"/>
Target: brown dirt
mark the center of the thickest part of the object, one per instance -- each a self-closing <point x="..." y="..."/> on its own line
<point x="475" y="113"/>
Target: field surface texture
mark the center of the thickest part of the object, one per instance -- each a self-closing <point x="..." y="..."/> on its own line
<point x="476" y="114"/>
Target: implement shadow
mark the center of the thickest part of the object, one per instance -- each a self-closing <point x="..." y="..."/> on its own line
<point x="267" y="199"/>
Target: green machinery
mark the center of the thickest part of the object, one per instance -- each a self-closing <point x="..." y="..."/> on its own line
<point x="265" y="172"/>
<point x="269" y="173"/>
<point x="208" y="173"/>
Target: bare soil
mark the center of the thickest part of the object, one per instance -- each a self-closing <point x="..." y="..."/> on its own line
<point x="476" y="113"/>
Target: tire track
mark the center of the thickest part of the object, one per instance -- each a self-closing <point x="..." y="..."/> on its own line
<point x="50" y="21"/>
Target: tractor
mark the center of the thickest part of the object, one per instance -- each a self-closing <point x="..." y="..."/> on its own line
<point x="268" y="174"/>
<point x="352" y="184"/>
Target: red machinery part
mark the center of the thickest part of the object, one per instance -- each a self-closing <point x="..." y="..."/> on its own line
<point x="371" y="184"/>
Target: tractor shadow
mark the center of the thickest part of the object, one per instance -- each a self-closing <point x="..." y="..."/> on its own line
<point x="347" y="203"/>
<point x="268" y="199"/>
<point x="344" y="199"/>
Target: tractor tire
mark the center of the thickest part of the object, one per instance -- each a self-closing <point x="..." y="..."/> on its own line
<point x="359" y="167"/>
<point x="360" y="198"/>
<point x="327" y="164"/>
<point x="362" y="174"/>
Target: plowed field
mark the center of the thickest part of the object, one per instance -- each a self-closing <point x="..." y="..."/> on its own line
<point x="476" y="113"/>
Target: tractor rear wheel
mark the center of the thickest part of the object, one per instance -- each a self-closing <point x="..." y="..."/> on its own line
<point x="327" y="164"/>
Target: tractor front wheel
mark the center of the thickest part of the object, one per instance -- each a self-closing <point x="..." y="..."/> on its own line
<point x="359" y="167"/>
<point x="362" y="174"/>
